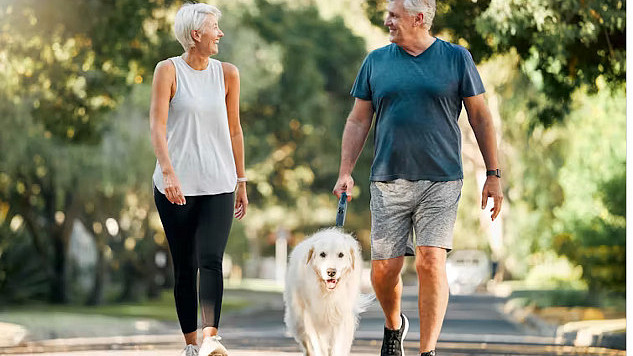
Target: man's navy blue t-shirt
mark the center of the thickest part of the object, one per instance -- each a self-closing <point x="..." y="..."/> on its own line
<point x="417" y="101"/>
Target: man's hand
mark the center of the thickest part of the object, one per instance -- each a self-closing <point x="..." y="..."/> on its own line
<point x="492" y="189"/>
<point x="344" y="184"/>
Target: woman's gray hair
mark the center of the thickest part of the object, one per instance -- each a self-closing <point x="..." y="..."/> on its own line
<point x="426" y="7"/>
<point x="191" y="17"/>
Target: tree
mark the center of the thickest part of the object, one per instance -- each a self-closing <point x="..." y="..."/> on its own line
<point x="592" y="228"/>
<point x="63" y="72"/>
<point x="294" y="125"/>
<point x="599" y="245"/>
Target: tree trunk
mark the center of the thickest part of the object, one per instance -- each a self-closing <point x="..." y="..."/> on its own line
<point x="61" y="239"/>
<point x="96" y="295"/>
<point x="58" y="282"/>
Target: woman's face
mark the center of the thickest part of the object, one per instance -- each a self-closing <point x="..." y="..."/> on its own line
<point x="209" y="36"/>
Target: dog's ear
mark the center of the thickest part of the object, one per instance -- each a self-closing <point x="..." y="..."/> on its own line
<point x="352" y="255"/>
<point x="310" y="253"/>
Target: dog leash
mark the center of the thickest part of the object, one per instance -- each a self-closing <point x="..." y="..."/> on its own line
<point x="342" y="210"/>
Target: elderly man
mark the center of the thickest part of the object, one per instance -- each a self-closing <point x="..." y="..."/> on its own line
<point x="416" y="86"/>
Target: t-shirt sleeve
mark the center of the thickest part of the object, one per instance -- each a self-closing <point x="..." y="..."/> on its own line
<point x="361" y="88"/>
<point x="470" y="84"/>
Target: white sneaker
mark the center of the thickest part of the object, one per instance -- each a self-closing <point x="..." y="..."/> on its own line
<point x="211" y="347"/>
<point x="190" y="350"/>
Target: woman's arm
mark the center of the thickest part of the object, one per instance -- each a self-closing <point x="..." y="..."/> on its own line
<point x="163" y="86"/>
<point x="232" y="87"/>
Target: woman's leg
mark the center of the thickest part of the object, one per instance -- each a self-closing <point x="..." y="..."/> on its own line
<point x="215" y="216"/>
<point x="179" y="225"/>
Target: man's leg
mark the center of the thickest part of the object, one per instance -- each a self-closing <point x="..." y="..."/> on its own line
<point x="430" y="264"/>
<point x="391" y="207"/>
<point x="385" y="278"/>
<point x="433" y="221"/>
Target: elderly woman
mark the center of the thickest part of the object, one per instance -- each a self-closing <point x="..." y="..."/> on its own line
<point x="199" y="179"/>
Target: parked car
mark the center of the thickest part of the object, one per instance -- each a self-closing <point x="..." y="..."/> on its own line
<point x="467" y="270"/>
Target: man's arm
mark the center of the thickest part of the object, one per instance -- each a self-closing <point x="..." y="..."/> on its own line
<point x="354" y="137"/>
<point x="481" y="121"/>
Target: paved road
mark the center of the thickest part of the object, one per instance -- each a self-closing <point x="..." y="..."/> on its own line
<point x="474" y="325"/>
<point x="474" y="318"/>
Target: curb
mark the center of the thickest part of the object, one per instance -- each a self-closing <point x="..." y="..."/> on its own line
<point x="11" y="334"/>
<point x="610" y="334"/>
<point x="602" y="333"/>
<point x="525" y="316"/>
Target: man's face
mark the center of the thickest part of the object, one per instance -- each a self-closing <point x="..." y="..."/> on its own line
<point x="400" y="23"/>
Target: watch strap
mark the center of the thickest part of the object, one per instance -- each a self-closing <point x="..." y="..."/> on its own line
<point x="494" y="172"/>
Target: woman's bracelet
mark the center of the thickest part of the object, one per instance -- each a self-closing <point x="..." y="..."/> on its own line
<point x="242" y="179"/>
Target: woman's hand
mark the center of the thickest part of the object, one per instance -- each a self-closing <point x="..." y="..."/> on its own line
<point x="241" y="200"/>
<point x="173" y="192"/>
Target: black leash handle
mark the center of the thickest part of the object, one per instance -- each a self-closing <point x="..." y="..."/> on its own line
<point x="342" y="209"/>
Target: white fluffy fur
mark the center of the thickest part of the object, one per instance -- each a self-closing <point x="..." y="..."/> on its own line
<point x="323" y="319"/>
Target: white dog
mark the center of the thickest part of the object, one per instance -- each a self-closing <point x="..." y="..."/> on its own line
<point x="322" y="295"/>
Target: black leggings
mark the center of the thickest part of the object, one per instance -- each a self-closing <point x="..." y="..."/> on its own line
<point x="197" y="233"/>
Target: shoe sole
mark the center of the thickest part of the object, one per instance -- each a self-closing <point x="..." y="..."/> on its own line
<point x="404" y="333"/>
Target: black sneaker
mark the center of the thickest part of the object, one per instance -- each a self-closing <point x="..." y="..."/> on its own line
<point x="392" y="339"/>
<point x="428" y="353"/>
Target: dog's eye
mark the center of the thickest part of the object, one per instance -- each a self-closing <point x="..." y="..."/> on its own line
<point x="322" y="254"/>
<point x="340" y="255"/>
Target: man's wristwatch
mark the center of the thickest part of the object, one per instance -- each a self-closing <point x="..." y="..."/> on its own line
<point x="494" y="172"/>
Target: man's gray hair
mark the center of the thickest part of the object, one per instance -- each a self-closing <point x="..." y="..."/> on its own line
<point x="426" y="7"/>
<point x="191" y="17"/>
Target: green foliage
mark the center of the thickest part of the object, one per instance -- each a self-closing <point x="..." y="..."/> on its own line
<point x="569" y="43"/>
<point x="21" y="275"/>
<point x="599" y="245"/>
<point x="562" y="45"/>
<point x="551" y="298"/>
<point x="293" y="126"/>
<point x="613" y="193"/>
<point x="591" y="229"/>
<point x="564" y="186"/>
<point x="74" y="67"/>
<point x="61" y="77"/>
<point x="603" y="262"/>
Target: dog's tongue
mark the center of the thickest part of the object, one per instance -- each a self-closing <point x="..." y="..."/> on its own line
<point x="330" y="283"/>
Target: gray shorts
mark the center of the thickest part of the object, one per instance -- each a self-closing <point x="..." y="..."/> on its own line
<point x="400" y="207"/>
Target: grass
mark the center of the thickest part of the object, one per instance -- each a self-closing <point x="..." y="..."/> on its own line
<point x="544" y="298"/>
<point x="160" y="309"/>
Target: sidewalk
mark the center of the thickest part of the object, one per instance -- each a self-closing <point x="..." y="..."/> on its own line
<point x="145" y="345"/>
<point x="175" y="352"/>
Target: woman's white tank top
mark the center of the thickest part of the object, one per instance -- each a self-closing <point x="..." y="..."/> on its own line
<point x="198" y="137"/>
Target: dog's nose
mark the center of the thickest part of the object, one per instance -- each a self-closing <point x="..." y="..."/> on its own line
<point x="331" y="272"/>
